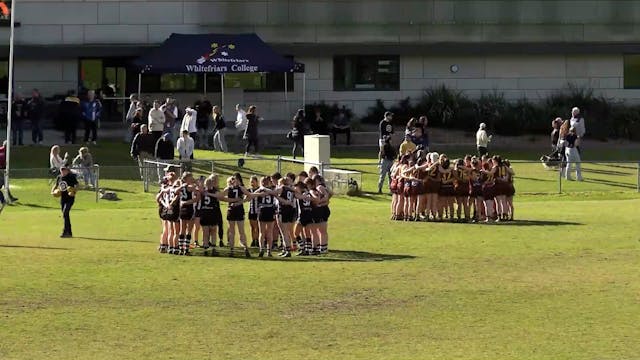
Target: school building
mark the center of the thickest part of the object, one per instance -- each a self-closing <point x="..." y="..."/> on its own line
<point x="354" y="51"/>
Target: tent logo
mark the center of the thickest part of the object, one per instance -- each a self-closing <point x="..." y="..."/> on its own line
<point x="216" y="49"/>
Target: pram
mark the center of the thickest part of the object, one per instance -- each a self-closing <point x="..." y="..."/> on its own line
<point x="552" y="161"/>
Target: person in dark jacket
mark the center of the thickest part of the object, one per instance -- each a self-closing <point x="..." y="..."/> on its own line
<point x="297" y="132"/>
<point x="219" y="142"/>
<point x="35" y="110"/>
<point x="18" y="108"/>
<point x="385" y="128"/>
<point x="204" y="110"/>
<point x="319" y="124"/>
<point x="164" y="151"/>
<point x="70" y="114"/>
<point x="251" y="133"/>
<point x="143" y="147"/>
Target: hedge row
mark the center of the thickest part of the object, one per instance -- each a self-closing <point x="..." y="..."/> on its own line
<point x="449" y="108"/>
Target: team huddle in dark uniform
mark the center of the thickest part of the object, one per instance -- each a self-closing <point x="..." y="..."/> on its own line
<point x="294" y="209"/>
<point x="428" y="186"/>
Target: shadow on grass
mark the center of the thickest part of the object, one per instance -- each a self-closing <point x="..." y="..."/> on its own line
<point x="540" y="180"/>
<point x="606" y="172"/>
<point x="110" y="240"/>
<point x="32" y="247"/>
<point x="611" y="183"/>
<point x="536" y="223"/>
<point x="332" y="256"/>
<point x="38" y="206"/>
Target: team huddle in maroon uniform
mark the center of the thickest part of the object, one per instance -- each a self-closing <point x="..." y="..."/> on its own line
<point x="430" y="187"/>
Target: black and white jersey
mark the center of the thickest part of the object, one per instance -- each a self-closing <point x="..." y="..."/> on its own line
<point x="253" y="204"/>
<point x="209" y="202"/>
<point x="234" y="193"/>
<point x="266" y="201"/>
<point x="288" y="195"/>
<point x="304" y="205"/>
<point x="186" y="194"/>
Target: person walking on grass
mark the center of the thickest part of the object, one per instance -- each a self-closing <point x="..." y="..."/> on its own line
<point x="219" y="142"/>
<point x="386" y="156"/>
<point x="91" y="110"/>
<point x="65" y="189"/>
<point x="297" y="133"/>
<point x="572" y="154"/>
<point x="251" y="132"/>
<point x="143" y="147"/>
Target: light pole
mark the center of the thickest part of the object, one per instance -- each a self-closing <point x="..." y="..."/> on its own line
<point x="12" y="14"/>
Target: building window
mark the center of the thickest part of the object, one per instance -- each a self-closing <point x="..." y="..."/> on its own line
<point x="361" y="73"/>
<point x="179" y="82"/>
<point x="259" y="82"/>
<point x="632" y="71"/>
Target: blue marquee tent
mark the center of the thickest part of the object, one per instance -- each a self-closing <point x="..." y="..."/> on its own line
<point x="216" y="53"/>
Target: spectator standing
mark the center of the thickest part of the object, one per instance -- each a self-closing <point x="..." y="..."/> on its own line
<point x="251" y="132"/>
<point x="297" y="132"/>
<point x="219" y="142"/>
<point x="35" y="111"/>
<point x="156" y="120"/>
<point x="577" y="122"/>
<point x="164" y="151"/>
<point x="136" y="122"/>
<point x="572" y="155"/>
<point x="143" y="147"/>
<point x="422" y="123"/>
<point x="204" y="109"/>
<point x="91" y="110"/>
<point x="69" y="114"/>
<point x="555" y="133"/>
<point x="341" y="125"/>
<point x="385" y="128"/>
<point x="185" y="146"/>
<point x="482" y="140"/>
<point x="386" y="156"/>
<point x="18" y="108"/>
<point x="189" y="122"/>
<point x="170" y="115"/>
<point x="241" y="120"/>
<point x="133" y="106"/>
<point x="84" y="162"/>
<point x="319" y="124"/>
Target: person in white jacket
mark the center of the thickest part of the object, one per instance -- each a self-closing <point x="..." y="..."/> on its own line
<point x="156" y="120"/>
<point x="577" y="122"/>
<point x="482" y="139"/>
<point x="189" y="122"/>
<point x="185" y="146"/>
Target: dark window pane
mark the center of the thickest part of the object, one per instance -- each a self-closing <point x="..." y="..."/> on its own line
<point x="632" y="71"/>
<point x="366" y="73"/>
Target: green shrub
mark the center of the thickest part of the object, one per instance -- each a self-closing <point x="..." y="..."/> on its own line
<point x="329" y="112"/>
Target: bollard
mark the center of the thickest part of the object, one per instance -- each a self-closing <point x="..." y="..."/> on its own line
<point x="560" y="179"/>
<point x="97" y="184"/>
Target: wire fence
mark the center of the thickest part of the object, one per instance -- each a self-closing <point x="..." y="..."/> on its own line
<point x="532" y="177"/>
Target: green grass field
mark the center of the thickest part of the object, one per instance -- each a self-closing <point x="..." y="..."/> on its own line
<point x="560" y="283"/>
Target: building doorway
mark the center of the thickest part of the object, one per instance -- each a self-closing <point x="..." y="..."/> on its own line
<point x="111" y="80"/>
